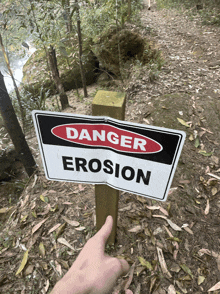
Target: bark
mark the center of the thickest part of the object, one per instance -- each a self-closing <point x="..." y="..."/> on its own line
<point x="14" y="130"/>
<point x="14" y="83"/>
<point x="55" y="74"/>
<point x="80" y="51"/>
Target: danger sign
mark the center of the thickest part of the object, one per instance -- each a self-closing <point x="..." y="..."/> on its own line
<point x="131" y="157"/>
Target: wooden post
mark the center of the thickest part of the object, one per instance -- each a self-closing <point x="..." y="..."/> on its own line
<point x="111" y="104"/>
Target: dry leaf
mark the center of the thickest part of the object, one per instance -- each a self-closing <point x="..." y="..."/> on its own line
<point x="64" y="242"/>
<point x="214" y="176"/>
<point x="80" y="228"/>
<point x="160" y="216"/>
<point x="173" y="226"/>
<point x="135" y="229"/>
<point x="204" y="153"/>
<point x="54" y="228"/>
<point x="188" y="230"/>
<point x="183" y="122"/>
<point x="58" y="268"/>
<point x="43" y="198"/>
<point x="23" y="263"/>
<point x="45" y="289"/>
<point x="164" y="211"/>
<point x="70" y="222"/>
<point x="215" y="287"/>
<point x="207" y="208"/>
<point x="171" y="290"/>
<point x="153" y="207"/>
<point x="179" y="284"/>
<point x="36" y="227"/>
<point x="60" y="230"/>
<point x="186" y="270"/>
<point x="5" y="209"/>
<point x="163" y="263"/>
<point x="131" y="273"/>
<point x="214" y="191"/>
<point x="145" y="263"/>
<point x="42" y="249"/>
<point x="29" y="270"/>
<point x="201" y="279"/>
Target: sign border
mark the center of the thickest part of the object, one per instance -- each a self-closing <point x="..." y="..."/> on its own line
<point x="181" y="134"/>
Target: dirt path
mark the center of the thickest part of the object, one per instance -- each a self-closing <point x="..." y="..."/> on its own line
<point x="185" y="228"/>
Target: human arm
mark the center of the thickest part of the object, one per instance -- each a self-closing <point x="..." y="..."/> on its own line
<point x="93" y="272"/>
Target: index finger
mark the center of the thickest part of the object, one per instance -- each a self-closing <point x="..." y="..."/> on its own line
<point x="104" y="232"/>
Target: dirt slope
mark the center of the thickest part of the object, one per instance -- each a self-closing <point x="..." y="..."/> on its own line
<point x="186" y="227"/>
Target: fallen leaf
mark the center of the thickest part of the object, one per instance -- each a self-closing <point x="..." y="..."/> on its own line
<point x="160" y="216"/>
<point x="44" y="198"/>
<point x="186" y="269"/>
<point x="64" y="242"/>
<point x="23" y="263"/>
<point x="42" y="249"/>
<point x="5" y="209"/>
<point x="204" y="153"/>
<point x="131" y="273"/>
<point x="171" y="290"/>
<point x="80" y="228"/>
<point x="60" y="230"/>
<point x="215" y="287"/>
<point x="36" y="227"/>
<point x="197" y="143"/>
<point x="153" y="207"/>
<point x="45" y="289"/>
<point x="58" y="268"/>
<point x="145" y="263"/>
<point x="191" y="137"/>
<point x="163" y="263"/>
<point x="201" y="279"/>
<point x="183" y="122"/>
<point x="152" y="283"/>
<point x="70" y="222"/>
<point x="214" y="191"/>
<point x="54" y="228"/>
<point x="29" y="270"/>
<point x="207" y="208"/>
<point x="180" y="286"/>
<point x="135" y="229"/>
<point x="173" y="226"/>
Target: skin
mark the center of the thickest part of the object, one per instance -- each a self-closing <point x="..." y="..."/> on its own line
<point x="93" y="272"/>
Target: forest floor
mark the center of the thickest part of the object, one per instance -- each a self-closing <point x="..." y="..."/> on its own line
<point x="50" y="216"/>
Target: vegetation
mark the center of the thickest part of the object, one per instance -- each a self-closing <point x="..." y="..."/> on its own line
<point x="209" y="10"/>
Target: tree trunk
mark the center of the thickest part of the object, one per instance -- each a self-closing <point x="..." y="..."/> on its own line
<point x="69" y="20"/>
<point x="129" y="10"/>
<point x="14" y="83"/>
<point x="80" y="51"/>
<point x="55" y="73"/>
<point x="14" y="130"/>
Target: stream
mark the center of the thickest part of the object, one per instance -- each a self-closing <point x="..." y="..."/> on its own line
<point x="16" y="63"/>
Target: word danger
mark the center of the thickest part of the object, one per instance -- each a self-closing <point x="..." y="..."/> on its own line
<point x="95" y="165"/>
<point x="103" y="135"/>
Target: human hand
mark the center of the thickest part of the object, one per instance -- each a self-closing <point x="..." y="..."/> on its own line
<point x="93" y="272"/>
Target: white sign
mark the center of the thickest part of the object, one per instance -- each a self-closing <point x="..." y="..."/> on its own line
<point x="136" y="158"/>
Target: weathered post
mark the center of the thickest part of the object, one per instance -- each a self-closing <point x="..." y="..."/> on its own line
<point x="14" y="129"/>
<point x="111" y="104"/>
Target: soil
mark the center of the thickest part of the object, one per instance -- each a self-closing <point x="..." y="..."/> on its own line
<point x="184" y="229"/>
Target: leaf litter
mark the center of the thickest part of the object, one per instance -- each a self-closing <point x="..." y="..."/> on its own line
<point x="48" y="256"/>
